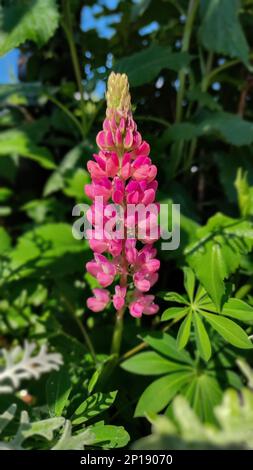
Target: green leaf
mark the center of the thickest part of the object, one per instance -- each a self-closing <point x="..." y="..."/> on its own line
<point x="138" y="9"/>
<point x="220" y="246"/>
<point x="159" y="393"/>
<point x="19" y="142"/>
<point x="174" y="312"/>
<point x="183" y="429"/>
<point x="184" y="332"/>
<point x="221" y="30"/>
<point x="204" y="393"/>
<point x="74" y="184"/>
<point x="26" y="429"/>
<point x="93" y="380"/>
<point x="202" y="338"/>
<point x="79" y="441"/>
<point x="109" y="437"/>
<point x="244" y="193"/>
<point x="7" y="416"/>
<point x="167" y="345"/>
<point x="69" y="163"/>
<point x="33" y="20"/>
<point x="24" y="93"/>
<point x="229" y="330"/>
<point x="92" y="406"/>
<point x="189" y="282"/>
<point x="229" y="127"/>
<point x="144" y="66"/>
<point x="217" y="259"/>
<point x="173" y="297"/>
<point x="58" y="389"/>
<point x="234" y="308"/>
<point x="5" y="240"/>
<point x="150" y="363"/>
<point x="50" y="245"/>
<point x="204" y="99"/>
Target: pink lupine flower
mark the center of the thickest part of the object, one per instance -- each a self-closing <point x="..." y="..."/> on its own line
<point x="105" y="165"/>
<point x="99" y="187"/>
<point x="105" y="243"/>
<point x="102" y="269"/>
<point x="143" y="304"/>
<point x="119" y="297"/>
<point x="140" y="192"/>
<point x="99" y="301"/>
<point x="118" y="190"/>
<point x="142" y="169"/>
<point x="122" y="173"/>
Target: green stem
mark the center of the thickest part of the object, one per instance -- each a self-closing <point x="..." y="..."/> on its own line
<point x="117" y="333"/>
<point x="67" y="26"/>
<point x="208" y="78"/>
<point x="192" y="9"/>
<point x="144" y="345"/>
<point x="68" y="113"/>
<point x="81" y="327"/>
<point x="154" y="119"/>
<point x="243" y="291"/>
<point x="194" y="142"/>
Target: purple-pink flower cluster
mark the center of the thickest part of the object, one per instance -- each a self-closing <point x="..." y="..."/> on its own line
<point x="121" y="172"/>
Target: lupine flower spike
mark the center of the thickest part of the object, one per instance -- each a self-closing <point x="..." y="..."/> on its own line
<point x="121" y="173"/>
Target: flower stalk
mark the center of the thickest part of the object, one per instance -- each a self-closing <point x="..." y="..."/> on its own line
<point x="122" y="174"/>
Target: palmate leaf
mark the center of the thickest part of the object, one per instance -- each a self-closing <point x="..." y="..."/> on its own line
<point x="229" y="330"/>
<point x="202" y="338"/>
<point x="201" y="386"/>
<point x="34" y="20"/>
<point x="198" y="309"/>
<point x="220" y="247"/>
<point x="151" y="363"/>
<point x="231" y="430"/>
<point x="184" y="331"/>
<point x="174" y="313"/>
<point x="204" y="393"/>
<point x="167" y="345"/>
<point x="159" y="393"/>
<point x="189" y="282"/>
<point x="144" y="66"/>
<point x="221" y="30"/>
<point x="234" y="308"/>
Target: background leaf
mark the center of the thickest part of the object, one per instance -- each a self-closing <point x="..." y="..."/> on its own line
<point x="58" y="390"/>
<point x="34" y="20"/>
<point x="144" y="66"/>
<point x="221" y="30"/>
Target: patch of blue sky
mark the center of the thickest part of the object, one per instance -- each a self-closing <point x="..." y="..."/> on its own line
<point x="110" y="4"/>
<point x="103" y="25"/>
<point x="9" y="67"/>
<point x="149" y="28"/>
